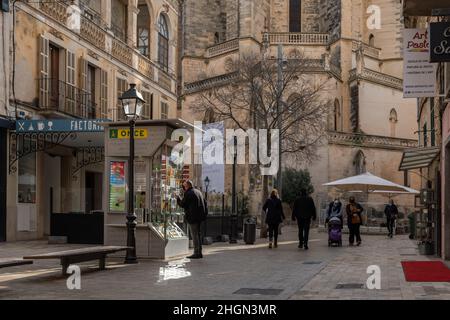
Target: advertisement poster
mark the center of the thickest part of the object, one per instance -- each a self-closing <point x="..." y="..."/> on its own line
<point x="117" y="187"/>
<point x="214" y="172"/>
<point x="419" y="78"/>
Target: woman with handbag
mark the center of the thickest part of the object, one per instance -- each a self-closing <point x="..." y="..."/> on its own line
<point x="354" y="221"/>
<point x="274" y="217"/>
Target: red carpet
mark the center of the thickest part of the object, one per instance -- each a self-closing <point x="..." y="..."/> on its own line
<point x="426" y="271"/>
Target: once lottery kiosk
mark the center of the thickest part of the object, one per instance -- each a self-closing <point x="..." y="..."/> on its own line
<point x="160" y="233"/>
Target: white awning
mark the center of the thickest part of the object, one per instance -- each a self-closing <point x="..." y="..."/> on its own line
<point x="418" y="158"/>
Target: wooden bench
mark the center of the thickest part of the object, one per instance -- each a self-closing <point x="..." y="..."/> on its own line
<point x="13" y="263"/>
<point x="79" y="255"/>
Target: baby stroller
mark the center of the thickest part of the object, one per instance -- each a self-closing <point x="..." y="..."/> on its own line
<point x="335" y="232"/>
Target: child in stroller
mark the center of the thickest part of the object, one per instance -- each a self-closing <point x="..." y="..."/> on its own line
<point x="335" y="223"/>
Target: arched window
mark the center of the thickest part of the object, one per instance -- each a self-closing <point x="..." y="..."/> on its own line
<point x="360" y="163"/>
<point x="295" y="16"/>
<point x="143" y="30"/>
<point x="372" y="40"/>
<point x="393" y="119"/>
<point x="337" y="115"/>
<point x="216" y="38"/>
<point x="210" y="116"/>
<point x="163" y="42"/>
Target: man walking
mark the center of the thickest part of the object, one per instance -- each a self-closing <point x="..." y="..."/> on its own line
<point x="391" y="212"/>
<point x="304" y="210"/>
<point x="195" y="209"/>
<point x="354" y="221"/>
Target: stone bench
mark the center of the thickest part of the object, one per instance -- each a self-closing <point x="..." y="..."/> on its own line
<point x="79" y="255"/>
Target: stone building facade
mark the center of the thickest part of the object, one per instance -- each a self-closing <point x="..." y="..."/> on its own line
<point x="71" y="60"/>
<point x="370" y="123"/>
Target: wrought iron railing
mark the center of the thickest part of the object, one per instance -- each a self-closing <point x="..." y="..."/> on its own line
<point x="63" y="97"/>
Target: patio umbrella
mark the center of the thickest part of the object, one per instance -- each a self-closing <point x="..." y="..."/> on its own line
<point x="369" y="183"/>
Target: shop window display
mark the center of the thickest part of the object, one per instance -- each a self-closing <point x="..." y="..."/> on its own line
<point x="166" y="217"/>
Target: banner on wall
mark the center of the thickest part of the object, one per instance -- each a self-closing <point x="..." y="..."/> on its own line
<point x="117" y="187"/>
<point x="419" y="76"/>
<point x="214" y="172"/>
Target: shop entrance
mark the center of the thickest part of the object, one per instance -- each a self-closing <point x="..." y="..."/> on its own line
<point x="446" y="202"/>
<point x="93" y="193"/>
<point x="3" y="173"/>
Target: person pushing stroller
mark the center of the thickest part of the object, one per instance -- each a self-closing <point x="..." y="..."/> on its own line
<point x="335" y="221"/>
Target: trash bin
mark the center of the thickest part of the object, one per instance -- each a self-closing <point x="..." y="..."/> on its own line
<point x="412" y="225"/>
<point x="250" y="230"/>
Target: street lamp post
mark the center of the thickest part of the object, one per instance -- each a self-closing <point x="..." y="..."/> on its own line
<point x="132" y="103"/>
<point x="233" y="233"/>
<point x="206" y="184"/>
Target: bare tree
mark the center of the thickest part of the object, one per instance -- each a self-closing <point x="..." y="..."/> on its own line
<point x="254" y="97"/>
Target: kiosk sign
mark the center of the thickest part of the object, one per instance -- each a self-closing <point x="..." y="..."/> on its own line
<point x="125" y="133"/>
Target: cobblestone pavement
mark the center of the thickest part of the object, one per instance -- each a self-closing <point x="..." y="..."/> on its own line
<point x="232" y="272"/>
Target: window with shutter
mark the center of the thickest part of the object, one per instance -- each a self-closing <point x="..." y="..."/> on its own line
<point x="147" y="112"/>
<point x="82" y="101"/>
<point x="164" y="110"/>
<point x="121" y="88"/>
<point x="43" y="71"/>
<point x="70" y="89"/>
<point x="104" y="94"/>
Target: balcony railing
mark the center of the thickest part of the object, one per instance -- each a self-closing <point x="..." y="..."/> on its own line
<point x="377" y="77"/>
<point x="367" y="49"/>
<point x="96" y="33"/>
<point x="358" y="139"/>
<point x="297" y="38"/>
<point x="59" y="96"/>
<point x="222" y="48"/>
<point x="210" y="82"/>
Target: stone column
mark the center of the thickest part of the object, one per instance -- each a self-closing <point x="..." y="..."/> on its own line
<point x="106" y="12"/>
<point x="132" y="23"/>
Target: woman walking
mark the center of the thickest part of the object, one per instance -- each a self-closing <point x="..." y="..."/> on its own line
<point x="274" y="216"/>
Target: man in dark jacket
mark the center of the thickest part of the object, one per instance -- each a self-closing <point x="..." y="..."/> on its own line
<point x="304" y="210"/>
<point x="195" y="209"/>
<point x="354" y="221"/>
<point x="391" y="212"/>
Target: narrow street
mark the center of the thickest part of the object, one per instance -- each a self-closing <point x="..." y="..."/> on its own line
<point x="232" y="272"/>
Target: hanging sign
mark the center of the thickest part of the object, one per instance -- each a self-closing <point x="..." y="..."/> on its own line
<point x="440" y="42"/>
<point x="419" y="77"/>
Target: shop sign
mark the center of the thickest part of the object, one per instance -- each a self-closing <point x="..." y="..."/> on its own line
<point x="419" y="77"/>
<point x="117" y="186"/>
<point x="440" y="42"/>
<point x="125" y="133"/>
<point x="50" y="125"/>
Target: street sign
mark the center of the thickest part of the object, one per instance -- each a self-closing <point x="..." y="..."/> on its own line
<point x="47" y="125"/>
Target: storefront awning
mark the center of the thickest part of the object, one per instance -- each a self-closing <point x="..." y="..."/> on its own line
<point x="418" y="158"/>
<point x="423" y="7"/>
